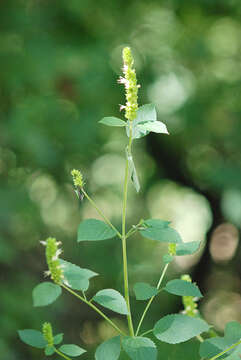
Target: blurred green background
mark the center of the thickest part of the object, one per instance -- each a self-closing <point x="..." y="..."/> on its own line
<point x="59" y="62"/>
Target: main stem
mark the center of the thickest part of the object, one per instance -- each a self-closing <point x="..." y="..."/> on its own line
<point x="124" y="252"/>
<point x="94" y="308"/>
<point x="151" y="299"/>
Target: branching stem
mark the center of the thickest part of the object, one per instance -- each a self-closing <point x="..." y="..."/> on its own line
<point x="151" y="299"/>
<point x="101" y="213"/>
<point x="94" y="308"/>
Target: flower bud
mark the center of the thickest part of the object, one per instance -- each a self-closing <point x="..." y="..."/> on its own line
<point x="189" y="302"/>
<point x="77" y="178"/>
<point x="48" y="333"/>
<point x="52" y="257"/>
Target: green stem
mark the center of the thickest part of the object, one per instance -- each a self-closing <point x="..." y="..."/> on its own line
<point x="199" y="337"/>
<point x="146" y="332"/>
<point x="60" y="354"/>
<point x="101" y="213"/>
<point x="151" y="299"/>
<point x="124" y="252"/>
<point x="94" y="308"/>
<point x="223" y="352"/>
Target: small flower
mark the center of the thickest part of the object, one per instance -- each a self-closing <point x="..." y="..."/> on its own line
<point x="48" y="333"/>
<point x="77" y="178"/>
<point x="172" y="249"/>
<point x="189" y="302"/>
<point x="130" y="83"/>
<point x="52" y="252"/>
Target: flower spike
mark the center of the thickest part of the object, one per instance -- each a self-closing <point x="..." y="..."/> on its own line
<point x="48" y="333"/>
<point x="130" y="83"/>
<point x="189" y="302"/>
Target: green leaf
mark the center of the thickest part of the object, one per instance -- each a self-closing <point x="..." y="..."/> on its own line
<point x="182" y="288"/>
<point x="167" y="258"/>
<point x="187" y="248"/>
<point x="153" y="126"/>
<point x="144" y="291"/>
<point x="177" y="328"/>
<point x="139" y="348"/>
<point x="93" y="230"/>
<point x="112" y="121"/>
<point x="77" y="277"/>
<point x="109" y="350"/>
<point x="159" y="230"/>
<point x="235" y="355"/>
<point x="214" y="346"/>
<point x="58" y="338"/>
<point x="49" y="350"/>
<point x="33" y="338"/>
<point x="46" y="293"/>
<point x="71" y="350"/>
<point x="132" y="170"/>
<point x="111" y="299"/>
<point x="145" y="113"/>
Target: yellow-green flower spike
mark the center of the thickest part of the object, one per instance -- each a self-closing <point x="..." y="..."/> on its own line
<point x="189" y="302"/>
<point x="172" y="249"/>
<point x="48" y="333"/>
<point x="131" y="87"/>
<point x="52" y="257"/>
<point x="77" y="178"/>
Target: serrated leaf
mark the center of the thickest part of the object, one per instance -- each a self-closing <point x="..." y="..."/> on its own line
<point x="111" y="299"/>
<point x="49" y="350"/>
<point x="132" y="170"/>
<point x="187" y="248"/>
<point x="182" y="288"/>
<point x="94" y="230"/>
<point x="112" y="121"/>
<point x="71" y="350"/>
<point x="161" y="231"/>
<point x="33" y="338"/>
<point x="214" y="346"/>
<point x="177" y="328"/>
<point x="46" y="293"/>
<point x="109" y="350"/>
<point x="58" y="338"/>
<point x="144" y="113"/>
<point x="77" y="277"/>
<point x="139" y="348"/>
<point x="153" y="126"/>
<point x="144" y="291"/>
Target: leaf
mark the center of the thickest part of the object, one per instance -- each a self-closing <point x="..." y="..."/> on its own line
<point x="111" y="299"/>
<point x="187" y="248"/>
<point x="45" y="293"/>
<point x="58" y="338"/>
<point x="112" y="121"/>
<point x="49" y="350"/>
<point x="153" y="126"/>
<point x="139" y="348"/>
<point x="159" y="230"/>
<point x="214" y="346"/>
<point x="132" y="170"/>
<point x="77" y="277"/>
<point x="71" y="350"/>
<point x="235" y="355"/>
<point x="144" y="291"/>
<point x="182" y="288"/>
<point x="109" y="350"/>
<point x="33" y="338"/>
<point x="93" y="230"/>
<point x="144" y="113"/>
<point x="167" y="258"/>
<point x="177" y="328"/>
